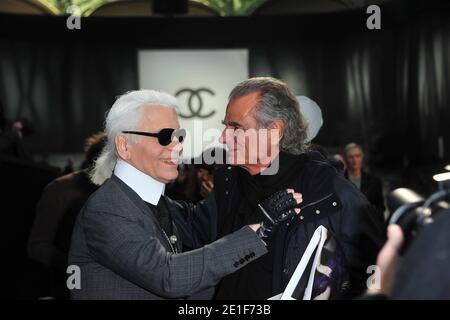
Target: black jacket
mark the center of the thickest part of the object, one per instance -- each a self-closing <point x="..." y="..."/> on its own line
<point x="329" y="200"/>
<point x="372" y="188"/>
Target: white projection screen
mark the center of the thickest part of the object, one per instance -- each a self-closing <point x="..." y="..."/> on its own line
<point x="201" y="80"/>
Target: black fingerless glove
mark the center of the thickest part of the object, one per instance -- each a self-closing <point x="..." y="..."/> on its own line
<point x="277" y="208"/>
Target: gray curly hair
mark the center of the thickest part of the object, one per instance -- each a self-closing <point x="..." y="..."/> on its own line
<point x="276" y="102"/>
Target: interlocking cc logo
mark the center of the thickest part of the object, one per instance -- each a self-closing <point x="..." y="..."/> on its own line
<point x="195" y="109"/>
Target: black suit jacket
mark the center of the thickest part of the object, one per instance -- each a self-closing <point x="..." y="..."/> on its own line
<point x="372" y="188"/>
<point x="329" y="200"/>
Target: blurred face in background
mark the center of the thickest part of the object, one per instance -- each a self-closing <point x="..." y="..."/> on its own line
<point x="147" y="154"/>
<point x="204" y="175"/>
<point x="354" y="159"/>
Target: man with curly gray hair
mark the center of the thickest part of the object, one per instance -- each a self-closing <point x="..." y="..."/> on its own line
<point x="268" y="108"/>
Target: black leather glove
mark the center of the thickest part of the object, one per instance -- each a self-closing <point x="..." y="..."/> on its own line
<point x="277" y="208"/>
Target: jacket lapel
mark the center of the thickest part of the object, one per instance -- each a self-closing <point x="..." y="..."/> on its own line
<point x="145" y="209"/>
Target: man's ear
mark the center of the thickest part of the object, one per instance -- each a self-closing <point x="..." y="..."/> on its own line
<point x="122" y="147"/>
<point x="278" y="126"/>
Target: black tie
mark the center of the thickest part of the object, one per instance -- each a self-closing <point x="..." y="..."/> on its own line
<point x="162" y="214"/>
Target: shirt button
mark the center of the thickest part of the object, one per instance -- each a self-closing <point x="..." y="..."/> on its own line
<point x="285" y="271"/>
<point x="226" y="192"/>
<point x="302" y="217"/>
<point x="334" y="204"/>
<point x="317" y="211"/>
<point x="229" y="167"/>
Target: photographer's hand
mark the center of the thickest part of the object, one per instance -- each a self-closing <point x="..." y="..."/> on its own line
<point x="387" y="260"/>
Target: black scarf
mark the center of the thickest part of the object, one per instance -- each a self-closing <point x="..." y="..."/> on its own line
<point x="254" y="281"/>
<point x="255" y="188"/>
<point x="162" y="214"/>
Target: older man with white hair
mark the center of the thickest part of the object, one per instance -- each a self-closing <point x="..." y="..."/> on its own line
<point x="126" y="242"/>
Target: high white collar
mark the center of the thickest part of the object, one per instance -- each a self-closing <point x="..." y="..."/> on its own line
<point x="149" y="189"/>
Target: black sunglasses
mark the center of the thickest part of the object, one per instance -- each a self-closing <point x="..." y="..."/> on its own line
<point x="165" y="136"/>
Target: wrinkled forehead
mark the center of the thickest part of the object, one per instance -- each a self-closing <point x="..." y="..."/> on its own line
<point x="241" y="108"/>
<point x="157" y="117"/>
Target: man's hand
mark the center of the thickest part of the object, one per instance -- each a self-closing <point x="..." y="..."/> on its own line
<point x="206" y="187"/>
<point x="279" y="207"/>
<point x="18" y="128"/>
<point x="387" y="260"/>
